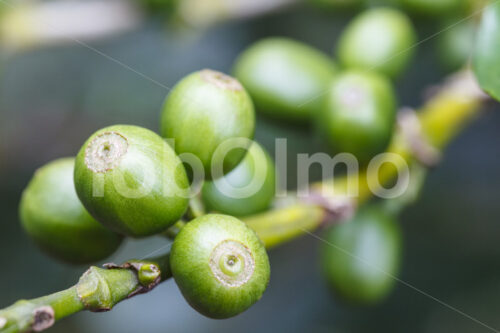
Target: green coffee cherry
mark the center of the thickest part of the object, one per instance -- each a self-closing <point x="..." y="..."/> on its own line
<point x="220" y="265"/>
<point x="55" y="219"/>
<point x="455" y="45"/>
<point x="247" y="189"/>
<point x="432" y="7"/>
<point x="360" y="257"/>
<point x="379" y="39"/>
<point x="131" y="181"/>
<point x="204" y="110"/>
<point x="359" y="114"/>
<point x="284" y="77"/>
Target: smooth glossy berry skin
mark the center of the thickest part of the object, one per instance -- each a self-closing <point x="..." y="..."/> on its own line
<point x="131" y="180"/>
<point x="54" y="218"/>
<point x="284" y="77"/>
<point x="378" y="39"/>
<point x="248" y="189"/>
<point x="220" y="265"/>
<point x="361" y="264"/>
<point x="202" y="111"/>
<point x="358" y="115"/>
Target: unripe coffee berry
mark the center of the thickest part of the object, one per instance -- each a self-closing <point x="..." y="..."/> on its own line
<point x="455" y="45"/>
<point x="359" y="114"/>
<point x="361" y="264"/>
<point x="285" y="78"/>
<point x="248" y="189"/>
<point x="55" y="219"/>
<point x="220" y="265"/>
<point x="379" y="39"/>
<point x="131" y="180"/>
<point x="202" y="112"/>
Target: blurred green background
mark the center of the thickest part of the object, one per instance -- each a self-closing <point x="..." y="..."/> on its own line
<point x="53" y="98"/>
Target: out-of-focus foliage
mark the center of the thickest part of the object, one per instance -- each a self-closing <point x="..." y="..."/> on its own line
<point x="160" y="6"/>
<point x="338" y="4"/>
<point x="432" y="7"/>
<point x="487" y="51"/>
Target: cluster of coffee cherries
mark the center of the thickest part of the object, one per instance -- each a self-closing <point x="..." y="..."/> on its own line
<point x="352" y="106"/>
<point x="130" y="181"/>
